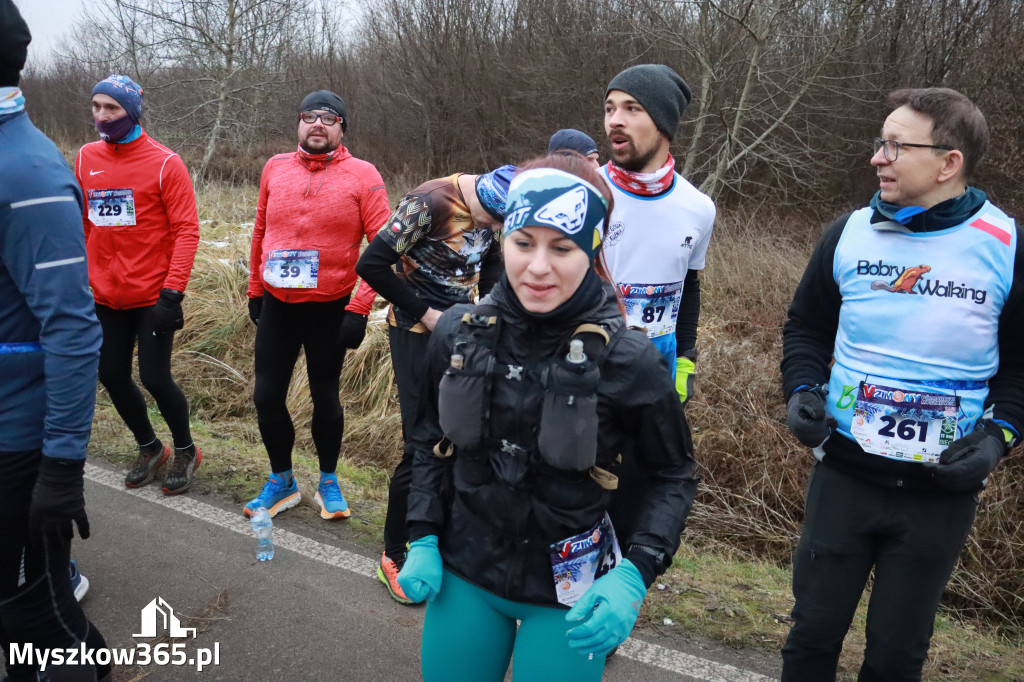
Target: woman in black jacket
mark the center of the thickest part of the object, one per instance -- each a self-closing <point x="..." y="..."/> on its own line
<point x="531" y="397"/>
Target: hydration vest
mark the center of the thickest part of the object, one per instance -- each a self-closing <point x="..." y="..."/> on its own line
<point x="568" y="422"/>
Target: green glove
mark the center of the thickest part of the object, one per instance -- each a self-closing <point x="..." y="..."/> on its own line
<point x="685" y="371"/>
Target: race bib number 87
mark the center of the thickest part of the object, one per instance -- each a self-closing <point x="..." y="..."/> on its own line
<point x="901" y="424"/>
<point x="654" y="307"/>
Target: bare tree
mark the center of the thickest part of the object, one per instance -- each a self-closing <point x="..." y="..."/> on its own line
<point x="214" y="59"/>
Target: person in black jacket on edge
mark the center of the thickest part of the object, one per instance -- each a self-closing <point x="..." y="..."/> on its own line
<point x="529" y="399"/>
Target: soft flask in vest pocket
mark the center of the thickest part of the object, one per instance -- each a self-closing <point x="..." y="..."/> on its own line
<point x="568" y="422"/>
<point x="463" y="391"/>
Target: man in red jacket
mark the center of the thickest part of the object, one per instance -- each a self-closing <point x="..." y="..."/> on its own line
<point x="141" y="232"/>
<point x="316" y="205"/>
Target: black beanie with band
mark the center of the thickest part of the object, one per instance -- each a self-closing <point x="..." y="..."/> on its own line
<point x="325" y="100"/>
<point x="659" y="90"/>
<point x="14" y="40"/>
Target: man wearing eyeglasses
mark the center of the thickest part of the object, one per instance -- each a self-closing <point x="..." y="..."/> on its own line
<point x="315" y="206"/>
<point x="919" y="300"/>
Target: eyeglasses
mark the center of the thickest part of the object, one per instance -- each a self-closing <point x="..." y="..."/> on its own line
<point x="310" y="117"/>
<point x="891" y="148"/>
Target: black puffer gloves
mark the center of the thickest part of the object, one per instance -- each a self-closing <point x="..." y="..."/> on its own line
<point x="968" y="461"/>
<point x="58" y="499"/>
<point x="167" y="315"/>
<point x="805" y="416"/>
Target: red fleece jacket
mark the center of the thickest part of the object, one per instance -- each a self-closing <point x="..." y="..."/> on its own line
<point x="130" y="264"/>
<point x="330" y="210"/>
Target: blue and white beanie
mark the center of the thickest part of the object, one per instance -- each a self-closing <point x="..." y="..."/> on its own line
<point x="125" y="91"/>
<point x="492" y="190"/>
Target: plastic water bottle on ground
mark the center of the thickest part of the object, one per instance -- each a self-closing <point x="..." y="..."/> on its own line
<point x="263" y="527"/>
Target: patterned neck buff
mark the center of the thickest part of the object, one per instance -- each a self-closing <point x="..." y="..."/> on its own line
<point x="11" y="100"/>
<point x="547" y="197"/>
<point x="644" y="184"/>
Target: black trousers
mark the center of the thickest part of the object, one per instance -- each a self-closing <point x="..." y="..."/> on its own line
<point x="912" y="539"/>
<point x="121" y="330"/>
<point x="408" y="350"/>
<point x="284" y="329"/>
<point x="41" y="609"/>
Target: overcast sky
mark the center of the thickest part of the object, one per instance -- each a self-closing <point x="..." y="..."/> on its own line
<point x="49" y="21"/>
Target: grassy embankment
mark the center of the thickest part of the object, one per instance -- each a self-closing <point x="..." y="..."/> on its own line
<point x="730" y="581"/>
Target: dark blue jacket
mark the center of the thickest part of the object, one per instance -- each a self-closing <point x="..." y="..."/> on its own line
<point x="49" y="335"/>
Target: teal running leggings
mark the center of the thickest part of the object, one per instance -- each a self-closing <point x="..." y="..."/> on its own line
<point x="469" y="635"/>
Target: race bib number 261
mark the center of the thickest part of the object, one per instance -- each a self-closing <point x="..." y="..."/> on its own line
<point x="902" y="424"/>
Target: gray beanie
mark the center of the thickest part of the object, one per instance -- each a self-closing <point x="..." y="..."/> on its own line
<point x="660" y="91"/>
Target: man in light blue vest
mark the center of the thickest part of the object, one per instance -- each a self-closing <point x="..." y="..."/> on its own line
<point x="919" y="300"/>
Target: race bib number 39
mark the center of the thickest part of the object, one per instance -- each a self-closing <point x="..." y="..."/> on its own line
<point x="907" y="425"/>
<point x="292" y="269"/>
<point x="580" y="560"/>
<point x="654" y="307"/>
<point x="111" y="207"/>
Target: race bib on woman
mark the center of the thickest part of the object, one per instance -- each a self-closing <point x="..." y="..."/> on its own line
<point x="580" y="560"/>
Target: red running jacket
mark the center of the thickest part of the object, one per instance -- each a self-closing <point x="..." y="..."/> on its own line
<point x="329" y="210"/>
<point x="145" y="183"/>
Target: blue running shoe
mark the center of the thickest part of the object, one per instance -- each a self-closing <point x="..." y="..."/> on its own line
<point x="329" y="497"/>
<point x="275" y="496"/>
<point x="79" y="583"/>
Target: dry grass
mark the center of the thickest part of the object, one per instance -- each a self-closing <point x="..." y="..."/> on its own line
<point x="750" y="504"/>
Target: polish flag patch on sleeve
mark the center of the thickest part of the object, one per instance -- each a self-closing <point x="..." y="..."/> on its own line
<point x="998" y="228"/>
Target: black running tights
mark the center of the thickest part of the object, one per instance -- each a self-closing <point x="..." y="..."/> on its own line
<point x="283" y="329"/>
<point x="121" y="330"/>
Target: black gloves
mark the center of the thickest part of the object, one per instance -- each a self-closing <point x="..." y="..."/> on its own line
<point x="805" y="416"/>
<point x="353" y="329"/>
<point x="58" y="499"/>
<point x="167" y="315"/>
<point x="968" y="461"/>
<point x="255" y="308"/>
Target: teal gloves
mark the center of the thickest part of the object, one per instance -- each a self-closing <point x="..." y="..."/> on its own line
<point x="610" y="608"/>
<point x="420" y="577"/>
<point x="685" y="371"/>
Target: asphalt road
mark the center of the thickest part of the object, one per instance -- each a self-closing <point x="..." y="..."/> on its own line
<point x="315" y="612"/>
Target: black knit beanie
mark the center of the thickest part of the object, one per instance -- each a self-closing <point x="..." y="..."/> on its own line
<point x="659" y="90"/>
<point x="325" y="100"/>
<point x="14" y="40"/>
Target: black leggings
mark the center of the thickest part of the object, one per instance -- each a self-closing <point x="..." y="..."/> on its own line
<point x="283" y="329"/>
<point x="121" y="329"/>
<point x="408" y="351"/>
<point x="42" y="610"/>
<point x="912" y="540"/>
